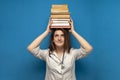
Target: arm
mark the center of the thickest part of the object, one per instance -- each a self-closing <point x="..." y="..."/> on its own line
<point x="80" y="39"/>
<point x="39" y="39"/>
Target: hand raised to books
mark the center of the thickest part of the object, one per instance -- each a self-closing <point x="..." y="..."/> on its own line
<point x="72" y="26"/>
<point x="48" y="27"/>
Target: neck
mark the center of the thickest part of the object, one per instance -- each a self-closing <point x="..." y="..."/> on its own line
<point x="59" y="50"/>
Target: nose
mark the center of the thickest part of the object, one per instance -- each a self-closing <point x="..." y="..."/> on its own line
<point x="59" y="38"/>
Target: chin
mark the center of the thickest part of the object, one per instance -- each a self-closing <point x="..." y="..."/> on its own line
<point x="59" y="45"/>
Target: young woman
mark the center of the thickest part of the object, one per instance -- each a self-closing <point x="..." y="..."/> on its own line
<point x="60" y="57"/>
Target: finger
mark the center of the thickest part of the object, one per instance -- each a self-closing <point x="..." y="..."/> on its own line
<point x="71" y="19"/>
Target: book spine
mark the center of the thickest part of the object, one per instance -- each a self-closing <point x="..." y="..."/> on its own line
<point x="60" y="24"/>
<point x="60" y="19"/>
<point x="60" y="16"/>
<point x="54" y="21"/>
<point x="60" y="13"/>
<point x="60" y="27"/>
<point x="58" y="6"/>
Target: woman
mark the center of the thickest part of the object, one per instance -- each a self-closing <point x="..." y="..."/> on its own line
<point x="60" y="57"/>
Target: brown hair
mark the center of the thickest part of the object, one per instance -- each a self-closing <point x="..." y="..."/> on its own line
<point x="67" y="44"/>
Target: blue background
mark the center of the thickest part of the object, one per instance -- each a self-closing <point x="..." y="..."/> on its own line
<point x="21" y="21"/>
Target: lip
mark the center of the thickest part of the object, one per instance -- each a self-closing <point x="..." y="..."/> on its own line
<point x="60" y="42"/>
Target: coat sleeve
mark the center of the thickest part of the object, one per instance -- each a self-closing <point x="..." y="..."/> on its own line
<point x="39" y="53"/>
<point x="79" y="53"/>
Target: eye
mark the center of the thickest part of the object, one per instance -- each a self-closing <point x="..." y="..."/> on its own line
<point x="56" y="35"/>
<point x="62" y="35"/>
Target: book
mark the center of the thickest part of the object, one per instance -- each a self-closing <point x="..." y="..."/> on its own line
<point x="52" y="19"/>
<point x="55" y="21"/>
<point x="60" y="16"/>
<point x="60" y="24"/>
<point x="61" y="13"/>
<point x="60" y="27"/>
<point x="59" y="6"/>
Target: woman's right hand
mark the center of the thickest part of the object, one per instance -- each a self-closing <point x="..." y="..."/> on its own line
<point x="48" y="27"/>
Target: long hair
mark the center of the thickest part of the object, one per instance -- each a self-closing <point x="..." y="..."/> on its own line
<point x="67" y="45"/>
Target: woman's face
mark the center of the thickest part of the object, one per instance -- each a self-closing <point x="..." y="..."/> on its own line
<point x="58" y="38"/>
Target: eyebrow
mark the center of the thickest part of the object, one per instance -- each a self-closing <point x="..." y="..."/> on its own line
<point x="58" y="34"/>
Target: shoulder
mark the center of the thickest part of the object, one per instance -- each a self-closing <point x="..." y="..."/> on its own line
<point x="40" y="53"/>
<point x="39" y="49"/>
<point x="76" y="51"/>
<point x="73" y="49"/>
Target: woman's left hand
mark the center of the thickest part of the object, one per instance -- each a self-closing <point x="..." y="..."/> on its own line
<point x="72" y="26"/>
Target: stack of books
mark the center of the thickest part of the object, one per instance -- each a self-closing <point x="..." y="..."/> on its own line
<point x="60" y="16"/>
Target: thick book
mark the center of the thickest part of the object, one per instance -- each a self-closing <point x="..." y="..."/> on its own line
<point x="60" y="19"/>
<point x="60" y="16"/>
<point x="60" y="25"/>
<point x="59" y="6"/>
<point x="58" y="11"/>
<point x="55" y="21"/>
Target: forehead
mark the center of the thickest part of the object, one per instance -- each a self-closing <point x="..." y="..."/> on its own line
<point x="58" y="32"/>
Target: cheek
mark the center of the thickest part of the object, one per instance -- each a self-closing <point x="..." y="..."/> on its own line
<point x="63" y="39"/>
<point x="54" y="39"/>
